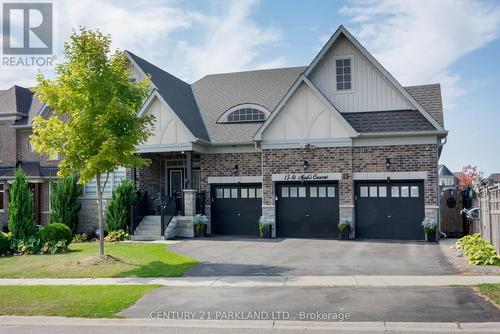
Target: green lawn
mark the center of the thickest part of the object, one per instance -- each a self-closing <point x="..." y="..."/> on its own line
<point x="492" y="291"/>
<point x="132" y="260"/>
<point x="98" y="301"/>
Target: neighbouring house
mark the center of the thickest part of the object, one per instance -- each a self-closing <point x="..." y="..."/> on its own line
<point x="446" y="178"/>
<point x="308" y="146"/>
<point x="18" y="107"/>
<point x="493" y="179"/>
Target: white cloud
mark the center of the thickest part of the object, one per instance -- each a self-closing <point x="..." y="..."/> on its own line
<point x="231" y="42"/>
<point x="419" y="41"/>
<point x="182" y="41"/>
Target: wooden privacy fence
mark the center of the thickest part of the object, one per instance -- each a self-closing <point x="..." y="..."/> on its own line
<point x="489" y="223"/>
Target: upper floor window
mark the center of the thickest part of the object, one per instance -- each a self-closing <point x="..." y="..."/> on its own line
<point x="244" y="113"/>
<point x="343" y="70"/>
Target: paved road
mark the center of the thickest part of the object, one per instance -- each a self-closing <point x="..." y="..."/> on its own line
<point x="420" y="304"/>
<point x="230" y="256"/>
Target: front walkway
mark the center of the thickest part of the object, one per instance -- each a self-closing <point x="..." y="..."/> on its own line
<point x="268" y="281"/>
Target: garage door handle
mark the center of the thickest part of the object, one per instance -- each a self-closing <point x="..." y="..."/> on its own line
<point x="388" y="216"/>
<point x="239" y="214"/>
<point x="308" y="215"/>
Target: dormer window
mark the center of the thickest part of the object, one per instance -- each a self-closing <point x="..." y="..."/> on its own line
<point x="343" y="71"/>
<point x="244" y="113"/>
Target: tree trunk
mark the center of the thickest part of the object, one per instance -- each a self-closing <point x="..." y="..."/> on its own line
<point x="99" y="210"/>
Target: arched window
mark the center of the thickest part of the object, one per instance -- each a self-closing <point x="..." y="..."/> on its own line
<point x="244" y="113"/>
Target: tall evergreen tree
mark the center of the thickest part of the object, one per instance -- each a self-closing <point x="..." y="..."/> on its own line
<point x="20" y="220"/>
<point x="63" y="202"/>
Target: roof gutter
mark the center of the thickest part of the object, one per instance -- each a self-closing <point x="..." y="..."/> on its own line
<point x="440" y="134"/>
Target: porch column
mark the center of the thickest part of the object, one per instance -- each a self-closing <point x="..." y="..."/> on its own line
<point x="189" y="170"/>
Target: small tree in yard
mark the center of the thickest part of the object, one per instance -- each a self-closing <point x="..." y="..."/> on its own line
<point x="118" y="209"/>
<point x="64" y="205"/>
<point x="21" y="208"/>
<point x="94" y="127"/>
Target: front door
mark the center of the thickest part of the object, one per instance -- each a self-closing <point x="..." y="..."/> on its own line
<point x="175" y="185"/>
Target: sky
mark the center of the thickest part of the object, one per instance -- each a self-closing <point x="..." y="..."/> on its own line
<point x="452" y="42"/>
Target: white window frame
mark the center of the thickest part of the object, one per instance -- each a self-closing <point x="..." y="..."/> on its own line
<point x="111" y="180"/>
<point x="224" y="117"/>
<point x="351" y="57"/>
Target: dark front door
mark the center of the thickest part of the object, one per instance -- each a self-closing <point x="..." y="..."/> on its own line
<point x="236" y="209"/>
<point x="175" y="186"/>
<point x="391" y="210"/>
<point x="307" y="210"/>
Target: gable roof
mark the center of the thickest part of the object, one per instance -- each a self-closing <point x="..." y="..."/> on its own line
<point x="343" y="31"/>
<point x="217" y="93"/>
<point x="444" y="171"/>
<point x="302" y="79"/>
<point x="177" y="94"/>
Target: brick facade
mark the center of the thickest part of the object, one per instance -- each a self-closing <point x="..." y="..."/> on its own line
<point x="222" y="164"/>
<point x="404" y="158"/>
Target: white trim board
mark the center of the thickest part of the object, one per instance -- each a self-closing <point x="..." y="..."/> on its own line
<point x="234" y="179"/>
<point x="392" y="175"/>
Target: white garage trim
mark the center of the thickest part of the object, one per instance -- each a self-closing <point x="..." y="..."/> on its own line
<point x="392" y="175"/>
<point x="234" y="179"/>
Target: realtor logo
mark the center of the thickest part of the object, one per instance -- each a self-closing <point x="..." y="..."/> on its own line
<point x="27" y="34"/>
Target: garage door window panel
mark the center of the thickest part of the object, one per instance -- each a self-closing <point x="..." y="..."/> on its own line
<point x="414" y="191"/>
<point x="373" y="191"/>
<point x="302" y="191"/>
<point x="331" y="191"/>
<point x="285" y="191"/>
<point x="394" y="192"/>
<point x="234" y="193"/>
<point x="244" y="193"/>
<point x="258" y="192"/>
<point x="405" y="191"/>
<point x="322" y="192"/>
<point x="313" y="191"/>
<point x="293" y="191"/>
<point x="363" y="192"/>
<point x="382" y="191"/>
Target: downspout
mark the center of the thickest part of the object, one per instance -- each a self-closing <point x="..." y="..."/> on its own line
<point x="440" y="146"/>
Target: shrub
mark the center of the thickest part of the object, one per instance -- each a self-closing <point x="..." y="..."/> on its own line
<point x="56" y="232"/>
<point x="21" y="208"/>
<point x="79" y="238"/>
<point x="118" y="210"/>
<point x="53" y="247"/>
<point x="115" y="236"/>
<point x="4" y="244"/>
<point x="28" y="245"/>
<point x="478" y="251"/>
<point x="63" y="202"/>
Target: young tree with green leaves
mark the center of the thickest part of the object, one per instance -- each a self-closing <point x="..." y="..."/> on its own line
<point x="95" y="127"/>
<point x="20" y="219"/>
<point x="64" y="206"/>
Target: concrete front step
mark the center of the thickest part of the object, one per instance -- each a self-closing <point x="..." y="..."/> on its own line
<point x="136" y="237"/>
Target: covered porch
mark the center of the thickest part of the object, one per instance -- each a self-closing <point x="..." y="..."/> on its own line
<point x="169" y="189"/>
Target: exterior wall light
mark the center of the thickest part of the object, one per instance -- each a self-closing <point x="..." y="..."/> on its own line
<point x="235" y="169"/>
<point x="306" y="165"/>
<point x="388" y="163"/>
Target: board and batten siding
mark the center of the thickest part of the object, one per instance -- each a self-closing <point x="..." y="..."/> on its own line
<point x="167" y="129"/>
<point x="371" y="90"/>
<point x="305" y="116"/>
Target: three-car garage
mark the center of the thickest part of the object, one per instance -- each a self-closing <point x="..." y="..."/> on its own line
<point x="310" y="209"/>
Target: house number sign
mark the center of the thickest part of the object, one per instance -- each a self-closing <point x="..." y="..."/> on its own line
<point x="306" y="177"/>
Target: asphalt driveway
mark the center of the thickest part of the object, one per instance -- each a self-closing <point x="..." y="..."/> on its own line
<point x="234" y="256"/>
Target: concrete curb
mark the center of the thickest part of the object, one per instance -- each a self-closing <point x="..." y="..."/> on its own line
<point x="267" y="281"/>
<point x="372" y="327"/>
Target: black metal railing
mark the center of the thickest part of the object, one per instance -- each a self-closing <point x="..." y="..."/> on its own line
<point x="168" y="211"/>
<point x="200" y="203"/>
<point x="138" y="211"/>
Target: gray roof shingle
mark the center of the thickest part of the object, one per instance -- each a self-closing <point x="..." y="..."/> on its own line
<point x="429" y="97"/>
<point x="388" y="121"/>
<point x="178" y="94"/>
<point x="217" y="93"/>
<point x="16" y="99"/>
